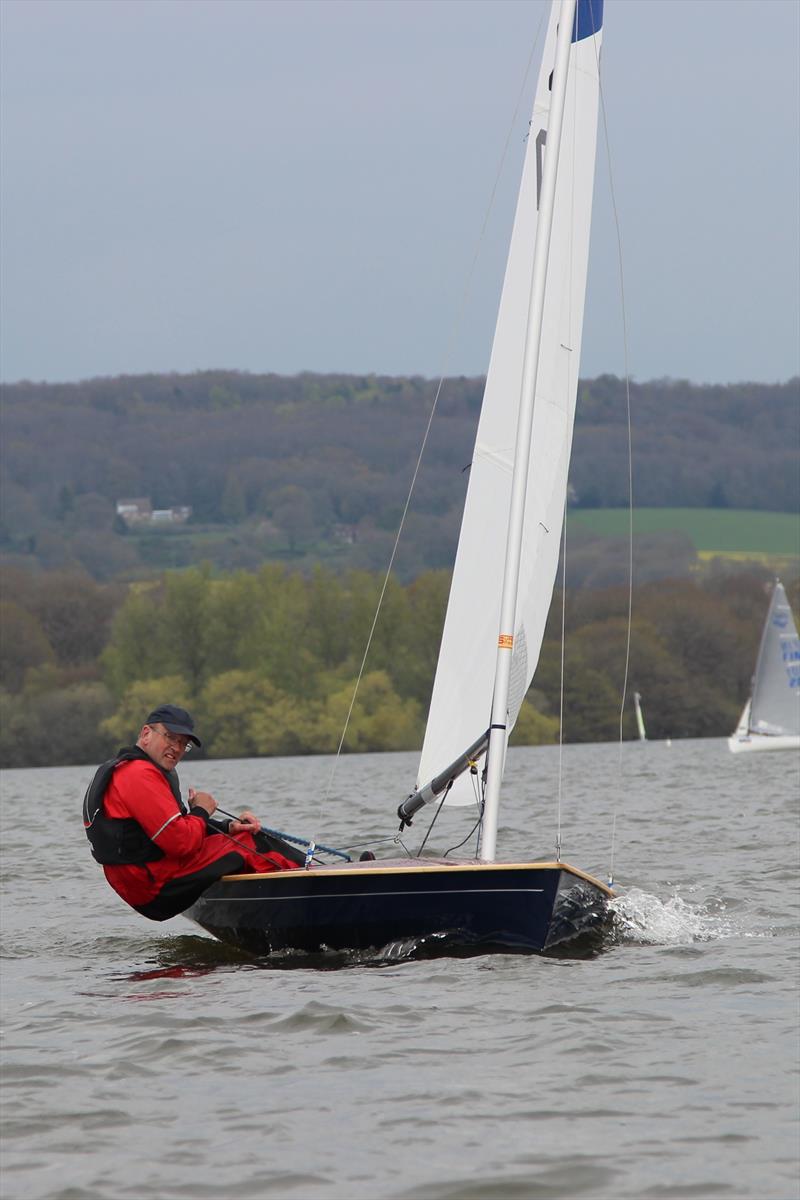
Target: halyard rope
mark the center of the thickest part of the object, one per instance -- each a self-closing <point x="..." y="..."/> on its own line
<point x="630" y="463"/>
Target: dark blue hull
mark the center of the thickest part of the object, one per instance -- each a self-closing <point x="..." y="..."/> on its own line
<point x="519" y="907"/>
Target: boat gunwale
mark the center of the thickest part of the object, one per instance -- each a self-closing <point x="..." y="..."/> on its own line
<point x="374" y="866"/>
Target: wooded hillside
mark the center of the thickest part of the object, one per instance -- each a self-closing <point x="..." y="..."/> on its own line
<point x="279" y="499"/>
<point x="315" y="468"/>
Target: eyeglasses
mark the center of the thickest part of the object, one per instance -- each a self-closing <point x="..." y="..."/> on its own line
<point x="178" y="740"/>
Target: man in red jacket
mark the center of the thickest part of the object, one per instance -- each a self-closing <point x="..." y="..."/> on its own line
<point x="157" y="855"/>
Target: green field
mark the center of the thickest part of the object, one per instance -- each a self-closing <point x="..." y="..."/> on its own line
<point x="723" y="531"/>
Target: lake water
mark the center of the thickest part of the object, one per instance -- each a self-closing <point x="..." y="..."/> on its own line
<point x="147" y="1061"/>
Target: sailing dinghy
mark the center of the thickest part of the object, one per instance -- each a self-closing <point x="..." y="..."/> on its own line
<point x="771" y="717"/>
<point x="501" y="591"/>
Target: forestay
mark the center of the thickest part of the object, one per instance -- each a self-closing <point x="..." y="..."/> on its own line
<point x="462" y="693"/>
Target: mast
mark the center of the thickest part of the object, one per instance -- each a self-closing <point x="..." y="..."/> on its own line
<point x="498" y="735"/>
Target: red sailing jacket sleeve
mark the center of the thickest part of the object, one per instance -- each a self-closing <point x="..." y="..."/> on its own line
<point x="139" y="790"/>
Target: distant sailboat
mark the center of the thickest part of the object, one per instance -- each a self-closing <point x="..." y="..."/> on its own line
<point x="637" y="704"/>
<point x="771" y="717"/>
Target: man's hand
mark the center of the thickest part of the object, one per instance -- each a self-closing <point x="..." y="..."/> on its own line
<point x="247" y="822"/>
<point x="202" y="800"/>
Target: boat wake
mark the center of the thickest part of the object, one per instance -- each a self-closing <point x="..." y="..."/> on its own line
<point x="639" y="918"/>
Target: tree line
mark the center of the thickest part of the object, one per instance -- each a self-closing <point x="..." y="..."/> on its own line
<point x="317" y="467"/>
<point x="268" y="661"/>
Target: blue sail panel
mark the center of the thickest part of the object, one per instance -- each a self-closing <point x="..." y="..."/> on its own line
<point x="588" y="19"/>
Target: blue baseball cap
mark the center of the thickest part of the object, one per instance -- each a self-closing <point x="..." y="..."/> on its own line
<point x="176" y="720"/>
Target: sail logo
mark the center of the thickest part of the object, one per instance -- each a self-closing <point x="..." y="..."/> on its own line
<point x="588" y="19"/>
<point x="780" y="620"/>
<point x="790" y="650"/>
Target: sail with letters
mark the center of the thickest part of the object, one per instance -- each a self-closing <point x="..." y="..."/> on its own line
<point x="771" y="717"/>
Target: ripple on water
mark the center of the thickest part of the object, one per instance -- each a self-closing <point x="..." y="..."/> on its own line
<point x="725" y="977"/>
<point x="579" y="1178"/>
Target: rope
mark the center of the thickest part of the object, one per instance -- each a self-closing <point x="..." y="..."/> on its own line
<point x="286" y="837"/>
<point x="372" y="841"/>
<point x="433" y="818"/>
<point x="574" y="81"/>
<point x="630" y="461"/>
<point x="561" y="692"/>
<point x="477" y="825"/>
<point x="309" y="842"/>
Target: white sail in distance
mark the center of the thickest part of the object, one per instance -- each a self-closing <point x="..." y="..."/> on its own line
<point x="462" y="693"/>
<point x="637" y="704"/>
<point x="775" y="701"/>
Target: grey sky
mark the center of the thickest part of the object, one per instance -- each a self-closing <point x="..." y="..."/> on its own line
<point x="288" y="185"/>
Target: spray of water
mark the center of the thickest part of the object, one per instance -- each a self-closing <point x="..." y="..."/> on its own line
<point x="644" y="919"/>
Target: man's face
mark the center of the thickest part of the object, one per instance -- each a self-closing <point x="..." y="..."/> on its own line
<point x="165" y="748"/>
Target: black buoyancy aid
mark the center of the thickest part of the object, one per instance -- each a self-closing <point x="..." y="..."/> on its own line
<point x="118" y="841"/>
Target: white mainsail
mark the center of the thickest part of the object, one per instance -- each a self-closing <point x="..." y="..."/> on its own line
<point x="771" y="717"/>
<point x="462" y="693"/>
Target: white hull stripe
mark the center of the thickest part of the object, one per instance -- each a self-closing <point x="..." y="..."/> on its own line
<point x="370" y="895"/>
